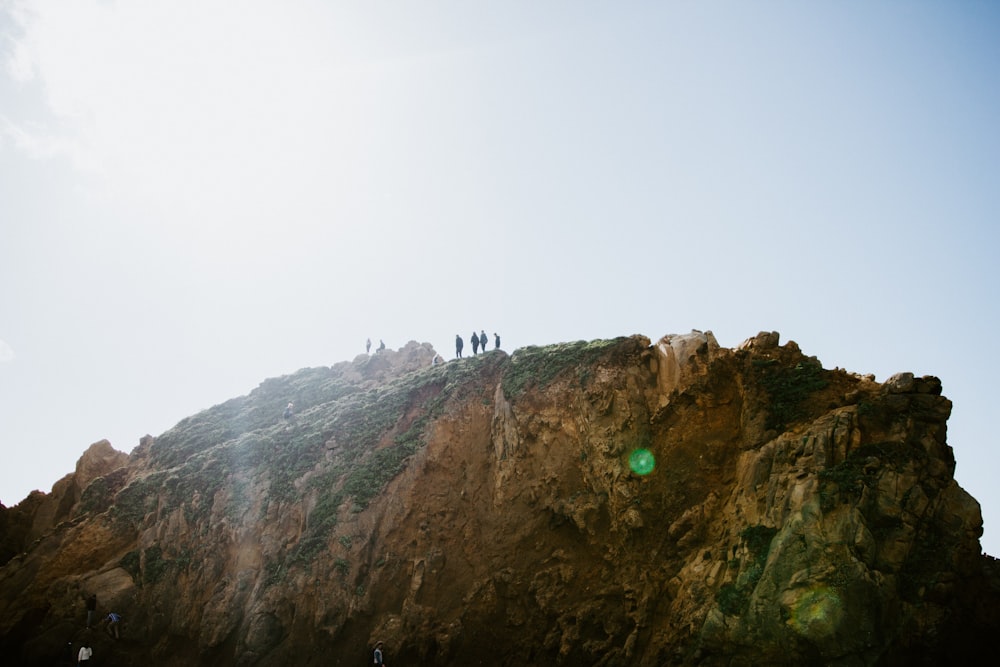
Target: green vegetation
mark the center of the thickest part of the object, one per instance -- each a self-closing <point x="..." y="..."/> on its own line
<point x="96" y="497"/>
<point x="155" y="565"/>
<point x="344" y="444"/>
<point x="151" y="565"/>
<point x="376" y="433"/>
<point x="861" y="468"/>
<point x="788" y="388"/>
<point x="539" y="366"/>
<point x="733" y="598"/>
<point x="130" y="563"/>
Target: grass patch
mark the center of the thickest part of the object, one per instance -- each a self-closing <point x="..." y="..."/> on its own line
<point x="788" y="388"/>
<point x="861" y="468"/>
<point x="538" y="366"/>
<point x="733" y="598"/>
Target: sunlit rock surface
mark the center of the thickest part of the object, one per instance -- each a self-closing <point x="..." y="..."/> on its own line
<point x="484" y="511"/>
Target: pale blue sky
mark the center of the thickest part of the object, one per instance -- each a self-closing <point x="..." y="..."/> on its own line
<point x="194" y="198"/>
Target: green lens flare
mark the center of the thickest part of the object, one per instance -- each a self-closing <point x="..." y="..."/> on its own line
<point x="642" y="461"/>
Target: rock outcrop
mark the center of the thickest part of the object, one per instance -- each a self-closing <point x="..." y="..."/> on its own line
<point x="604" y="503"/>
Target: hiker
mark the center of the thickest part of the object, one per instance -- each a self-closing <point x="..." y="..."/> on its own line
<point x="84" y="654"/>
<point x="377" y="659"/>
<point x="436" y="360"/>
<point x="497" y="339"/>
<point x="458" y="346"/>
<point x="68" y="655"/>
<point x="91" y="603"/>
<point x="381" y="345"/>
<point x="483" y="340"/>
<point x="368" y="346"/>
<point x="287" y="414"/>
<point x="475" y="343"/>
<point x="113" y="620"/>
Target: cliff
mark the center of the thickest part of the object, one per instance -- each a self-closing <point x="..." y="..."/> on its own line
<point x="604" y="503"/>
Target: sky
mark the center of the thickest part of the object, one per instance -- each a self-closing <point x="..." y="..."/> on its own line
<point x="197" y="196"/>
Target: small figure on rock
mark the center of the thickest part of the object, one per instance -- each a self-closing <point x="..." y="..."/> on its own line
<point x="459" y="344"/>
<point x="475" y="343"/>
<point x="496" y="337"/>
<point x="483" y="340"/>
<point x="377" y="658"/>
<point x="381" y="345"/>
<point x="114" y="621"/>
<point x="289" y="409"/>
<point x="91" y="603"/>
<point x="368" y="346"/>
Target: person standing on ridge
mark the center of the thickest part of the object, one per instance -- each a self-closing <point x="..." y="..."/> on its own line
<point x="381" y="345"/>
<point x="497" y="339"/>
<point x="475" y="343"/>
<point x="459" y="344"/>
<point x="368" y="346"/>
<point x="483" y="340"/>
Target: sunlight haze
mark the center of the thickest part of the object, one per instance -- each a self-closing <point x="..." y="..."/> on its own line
<point x="196" y="196"/>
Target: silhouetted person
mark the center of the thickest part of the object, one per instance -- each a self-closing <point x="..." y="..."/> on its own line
<point x="368" y="346"/>
<point x="459" y="344"/>
<point x="381" y="345"/>
<point x="91" y="608"/>
<point x="475" y="343"/>
<point x="496" y="337"/>
<point x="483" y="340"/>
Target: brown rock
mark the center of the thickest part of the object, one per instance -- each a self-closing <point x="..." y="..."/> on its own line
<point x="483" y="511"/>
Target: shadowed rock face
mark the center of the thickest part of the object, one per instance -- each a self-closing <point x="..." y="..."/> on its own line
<point x="484" y="511"/>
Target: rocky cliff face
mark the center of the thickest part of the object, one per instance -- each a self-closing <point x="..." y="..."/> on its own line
<point x="605" y="503"/>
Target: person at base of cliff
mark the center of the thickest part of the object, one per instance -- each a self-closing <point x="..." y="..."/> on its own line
<point x="84" y="654"/>
<point x="483" y="340"/>
<point x="377" y="659"/>
<point x="114" y="621"/>
<point x="459" y="344"/>
<point x="287" y="414"/>
<point x="475" y="343"/>
<point x="496" y="339"/>
<point x="91" y="603"/>
<point x="368" y="346"/>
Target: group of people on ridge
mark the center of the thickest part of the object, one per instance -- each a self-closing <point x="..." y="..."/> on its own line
<point x="480" y="340"/>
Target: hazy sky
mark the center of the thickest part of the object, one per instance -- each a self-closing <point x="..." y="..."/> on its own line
<point x="196" y="196"/>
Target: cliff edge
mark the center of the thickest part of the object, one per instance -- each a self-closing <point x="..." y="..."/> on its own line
<point x="603" y="503"/>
